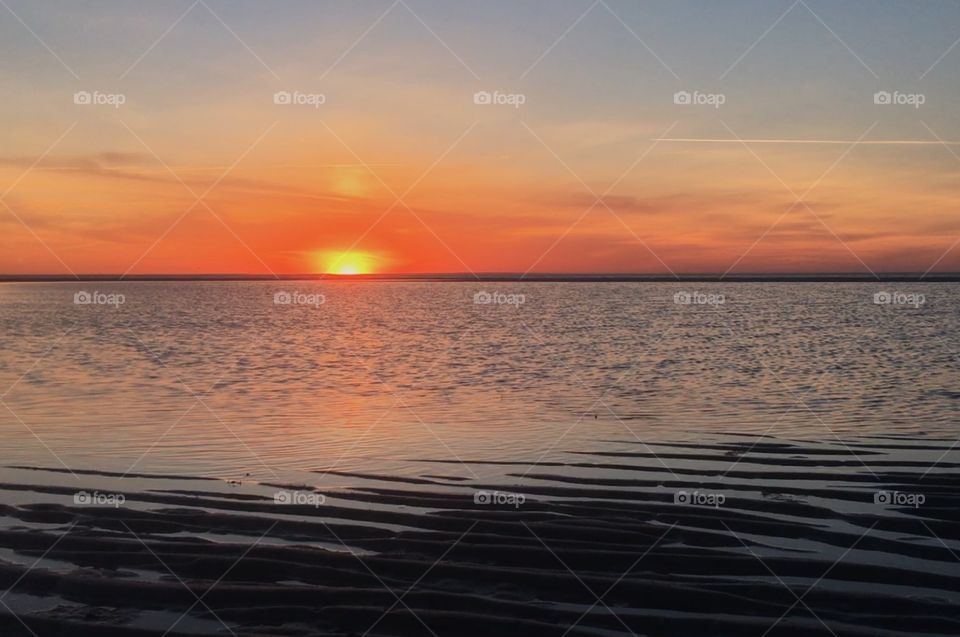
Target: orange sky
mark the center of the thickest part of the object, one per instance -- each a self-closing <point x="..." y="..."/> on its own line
<point x="286" y="188"/>
<point x="127" y="213"/>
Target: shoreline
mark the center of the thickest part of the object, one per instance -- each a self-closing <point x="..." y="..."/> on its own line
<point x="463" y="566"/>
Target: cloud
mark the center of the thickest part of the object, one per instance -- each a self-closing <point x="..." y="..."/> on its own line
<point x="668" y="203"/>
<point x="143" y="167"/>
<point x="111" y="164"/>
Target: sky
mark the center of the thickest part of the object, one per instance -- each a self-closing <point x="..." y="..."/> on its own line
<point x="246" y="136"/>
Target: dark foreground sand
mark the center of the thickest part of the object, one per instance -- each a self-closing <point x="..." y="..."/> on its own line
<point x="598" y="547"/>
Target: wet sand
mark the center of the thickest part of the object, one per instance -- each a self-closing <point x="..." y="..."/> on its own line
<point x="599" y="544"/>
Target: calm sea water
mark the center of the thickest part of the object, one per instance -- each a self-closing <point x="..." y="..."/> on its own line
<point x="230" y="379"/>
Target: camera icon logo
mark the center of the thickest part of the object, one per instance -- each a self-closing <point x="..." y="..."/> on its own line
<point x="882" y="97"/>
<point x="82" y="97"/>
<point x="282" y="97"/>
<point x="482" y="97"/>
<point x="682" y="97"/>
<point x="483" y="298"/>
<point x="899" y="498"/>
<point x="683" y="298"/>
<point x="482" y="497"/>
<point x="82" y="497"/>
<point x="882" y="298"/>
<point x="282" y="497"/>
<point x="282" y="298"/>
<point x="82" y="298"/>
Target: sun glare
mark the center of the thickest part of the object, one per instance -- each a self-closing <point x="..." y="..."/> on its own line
<point x="346" y="263"/>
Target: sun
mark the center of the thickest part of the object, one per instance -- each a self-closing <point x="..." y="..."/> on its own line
<point x="345" y="262"/>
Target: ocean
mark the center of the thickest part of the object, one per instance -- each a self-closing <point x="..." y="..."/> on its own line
<point x="216" y="378"/>
<point x="743" y="445"/>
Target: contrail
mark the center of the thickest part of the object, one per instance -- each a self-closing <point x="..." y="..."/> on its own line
<point x="846" y="142"/>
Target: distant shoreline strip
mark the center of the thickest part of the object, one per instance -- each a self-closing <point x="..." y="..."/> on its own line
<point x="902" y="277"/>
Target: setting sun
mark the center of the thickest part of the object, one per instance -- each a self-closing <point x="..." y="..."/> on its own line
<point x="346" y="263"/>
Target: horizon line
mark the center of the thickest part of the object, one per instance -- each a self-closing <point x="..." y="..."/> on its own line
<point x="518" y="277"/>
